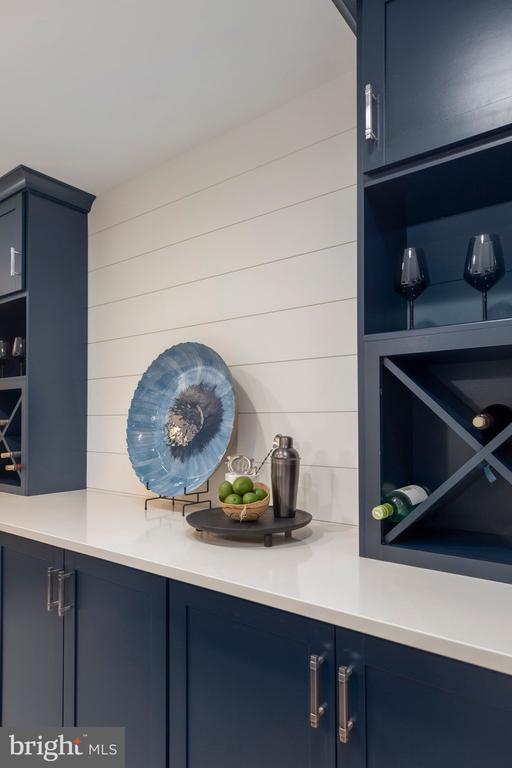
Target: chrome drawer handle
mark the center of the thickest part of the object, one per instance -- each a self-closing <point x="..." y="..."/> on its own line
<point x="369" y="102"/>
<point x="315" y="711"/>
<point x="51" y="603"/>
<point x="345" y="723"/>
<point x="62" y="608"/>
<point x="15" y="263"/>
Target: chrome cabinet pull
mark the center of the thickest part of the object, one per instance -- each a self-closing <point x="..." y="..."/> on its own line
<point x="62" y="608"/>
<point x="316" y="711"/>
<point x="51" y="603"/>
<point x="369" y="101"/>
<point x="15" y="263"/>
<point x="345" y="723"/>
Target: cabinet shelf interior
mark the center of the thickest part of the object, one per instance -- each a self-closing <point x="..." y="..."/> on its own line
<point x="428" y="401"/>
<point x="437" y="209"/>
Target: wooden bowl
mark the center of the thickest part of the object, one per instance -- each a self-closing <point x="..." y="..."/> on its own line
<point x="246" y="512"/>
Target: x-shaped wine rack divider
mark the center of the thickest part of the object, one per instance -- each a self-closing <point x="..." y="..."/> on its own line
<point x="483" y="453"/>
<point x="3" y="438"/>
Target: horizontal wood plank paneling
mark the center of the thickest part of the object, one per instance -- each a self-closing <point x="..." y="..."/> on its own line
<point x="324" y="330"/>
<point x="292" y="179"/>
<point x="313" y="278"/>
<point x="322" y="112"/>
<point x="246" y="244"/>
<point x="311" y="385"/>
<point x="319" y="223"/>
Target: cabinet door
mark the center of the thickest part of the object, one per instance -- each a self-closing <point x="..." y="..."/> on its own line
<point x="31" y="634"/>
<point x="241" y="687"/>
<point x="441" y="73"/>
<point x="11" y="245"/>
<point x="115" y="666"/>
<point x="424" y="710"/>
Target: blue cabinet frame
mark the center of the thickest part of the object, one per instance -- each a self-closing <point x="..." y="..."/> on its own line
<point x="240" y="684"/>
<point x="441" y="74"/>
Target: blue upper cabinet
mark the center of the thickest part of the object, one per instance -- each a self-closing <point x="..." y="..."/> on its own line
<point x="432" y="74"/>
<point x="246" y="685"/>
<point x="12" y="276"/>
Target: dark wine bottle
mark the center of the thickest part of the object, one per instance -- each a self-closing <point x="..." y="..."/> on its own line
<point x="493" y="419"/>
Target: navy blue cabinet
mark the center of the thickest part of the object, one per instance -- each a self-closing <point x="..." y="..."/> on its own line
<point x="115" y="650"/>
<point x="438" y="73"/>
<point x="11" y="245"/>
<point x="31" y="634"/>
<point x="411" y="708"/>
<point x="246" y="685"/>
<point x="84" y="642"/>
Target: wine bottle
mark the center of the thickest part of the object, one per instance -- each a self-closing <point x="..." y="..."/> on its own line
<point x="397" y="504"/>
<point x="13" y="467"/>
<point x="10" y="454"/>
<point x="493" y="419"/>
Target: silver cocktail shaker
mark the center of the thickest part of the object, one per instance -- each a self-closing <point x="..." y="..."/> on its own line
<point x="285" y="464"/>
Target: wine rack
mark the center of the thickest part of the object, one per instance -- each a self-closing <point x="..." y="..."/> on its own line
<point x="43" y="304"/>
<point x="420" y="388"/>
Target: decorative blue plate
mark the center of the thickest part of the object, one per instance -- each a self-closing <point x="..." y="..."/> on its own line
<point x="181" y="419"/>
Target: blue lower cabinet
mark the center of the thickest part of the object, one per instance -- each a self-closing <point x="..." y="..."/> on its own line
<point x="411" y="708"/>
<point x="246" y="685"/>
<point x="115" y="651"/>
<point x="31" y="634"/>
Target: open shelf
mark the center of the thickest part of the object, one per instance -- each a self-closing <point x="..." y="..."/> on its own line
<point x="437" y="208"/>
<point x="428" y="401"/>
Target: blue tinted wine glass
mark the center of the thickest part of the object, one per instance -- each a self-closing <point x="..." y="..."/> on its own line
<point x="484" y="265"/>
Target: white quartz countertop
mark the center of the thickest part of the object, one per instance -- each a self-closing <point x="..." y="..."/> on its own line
<point x="318" y="574"/>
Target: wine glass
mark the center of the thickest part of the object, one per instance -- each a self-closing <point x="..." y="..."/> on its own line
<point x="484" y="265"/>
<point x="4" y="355"/>
<point x="18" y="351"/>
<point x="411" y="279"/>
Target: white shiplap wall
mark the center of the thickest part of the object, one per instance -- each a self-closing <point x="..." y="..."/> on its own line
<point x="247" y="244"/>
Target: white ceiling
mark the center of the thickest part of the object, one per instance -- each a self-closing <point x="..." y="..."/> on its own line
<point x="96" y="91"/>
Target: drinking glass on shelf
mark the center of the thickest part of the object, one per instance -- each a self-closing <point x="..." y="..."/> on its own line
<point x="4" y="355"/>
<point x="484" y="265"/>
<point x="18" y="351"/>
<point x="412" y="279"/>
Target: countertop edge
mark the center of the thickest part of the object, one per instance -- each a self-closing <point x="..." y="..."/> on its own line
<point x="454" y="649"/>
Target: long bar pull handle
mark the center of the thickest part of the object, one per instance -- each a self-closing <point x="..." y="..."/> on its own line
<point x="316" y="710"/>
<point x="15" y="265"/>
<point x="370" y="133"/>
<point x="345" y="723"/>
<point x="62" y="608"/>
<point x="51" y="603"/>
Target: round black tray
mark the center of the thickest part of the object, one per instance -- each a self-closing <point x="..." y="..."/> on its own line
<point x="215" y="521"/>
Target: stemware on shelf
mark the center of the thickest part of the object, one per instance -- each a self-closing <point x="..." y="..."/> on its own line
<point x="412" y="278"/>
<point x="4" y="355"/>
<point x="18" y="351"/>
<point x="484" y="265"/>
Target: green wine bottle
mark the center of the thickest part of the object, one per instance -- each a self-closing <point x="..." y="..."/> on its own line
<point x="397" y="504"/>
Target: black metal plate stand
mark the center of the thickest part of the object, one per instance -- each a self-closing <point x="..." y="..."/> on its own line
<point x="188" y="502"/>
<point x="215" y="521"/>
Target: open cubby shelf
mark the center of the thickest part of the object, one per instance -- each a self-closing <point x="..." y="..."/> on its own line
<point x="451" y="411"/>
<point x="418" y="409"/>
<point x="437" y="208"/>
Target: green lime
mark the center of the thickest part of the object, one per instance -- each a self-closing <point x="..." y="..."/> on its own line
<point x="225" y="489"/>
<point x="233" y="498"/>
<point x="260" y="493"/>
<point x="243" y="485"/>
<point x="249" y="498"/>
